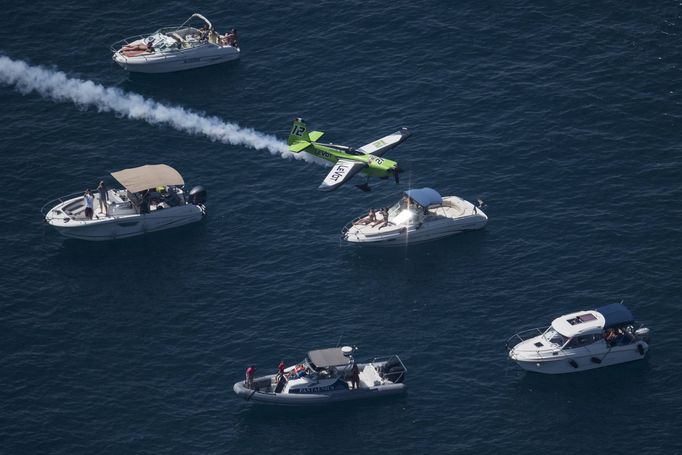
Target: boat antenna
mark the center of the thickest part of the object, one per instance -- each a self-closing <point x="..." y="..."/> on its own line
<point x="338" y="343"/>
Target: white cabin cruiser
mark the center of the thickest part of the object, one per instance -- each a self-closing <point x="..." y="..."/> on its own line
<point x="421" y="215"/>
<point x="581" y="341"/>
<point x="153" y="199"/>
<point x="176" y="48"/>
<point x="326" y="376"/>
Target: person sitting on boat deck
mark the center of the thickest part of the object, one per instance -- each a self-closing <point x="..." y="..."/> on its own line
<point x="613" y="336"/>
<point x="149" y="47"/>
<point x="203" y="32"/>
<point x="88" y="198"/>
<point x="250" y="372"/>
<point x="369" y="218"/>
<point x="230" y="38"/>
<point x="355" y="376"/>
<point x="103" y="197"/>
<point x="384" y="217"/>
<point x="386" y="220"/>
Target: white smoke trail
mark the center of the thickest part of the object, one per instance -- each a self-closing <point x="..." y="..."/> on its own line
<point x="57" y="86"/>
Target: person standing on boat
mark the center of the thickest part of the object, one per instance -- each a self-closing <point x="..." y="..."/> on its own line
<point x="88" y="198"/>
<point x="103" y="197"/>
<point x="250" y="372"/>
<point x="280" y="368"/>
<point x="355" y="376"/>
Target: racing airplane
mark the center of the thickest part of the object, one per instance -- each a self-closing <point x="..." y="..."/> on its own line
<point x="348" y="160"/>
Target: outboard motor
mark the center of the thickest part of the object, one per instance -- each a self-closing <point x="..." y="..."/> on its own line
<point x="642" y="334"/>
<point x="393" y="371"/>
<point x="198" y="195"/>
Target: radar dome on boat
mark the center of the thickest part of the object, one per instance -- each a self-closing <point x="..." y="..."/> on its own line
<point x="425" y="196"/>
<point x="347" y="351"/>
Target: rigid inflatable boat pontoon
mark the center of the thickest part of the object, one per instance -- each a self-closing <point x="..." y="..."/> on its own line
<point x="324" y="377"/>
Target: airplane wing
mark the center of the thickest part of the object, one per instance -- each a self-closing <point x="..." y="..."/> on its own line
<point x="381" y="146"/>
<point x="342" y="171"/>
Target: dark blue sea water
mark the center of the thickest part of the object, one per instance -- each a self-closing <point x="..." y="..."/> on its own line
<point x="565" y="117"/>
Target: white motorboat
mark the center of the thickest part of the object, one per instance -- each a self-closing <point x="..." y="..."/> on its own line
<point x="581" y="341"/>
<point x="176" y="48"/>
<point x="421" y="215"/>
<point x="153" y="199"/>
<point x="325" y="376"/>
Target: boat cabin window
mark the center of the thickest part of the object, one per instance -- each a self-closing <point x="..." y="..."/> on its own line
<point x="582" y="340"/>
<point x="554" y="337"/>
<point x="581" y="319"/>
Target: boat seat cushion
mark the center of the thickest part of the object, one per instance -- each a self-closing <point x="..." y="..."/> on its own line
<point x="369" y="376"/>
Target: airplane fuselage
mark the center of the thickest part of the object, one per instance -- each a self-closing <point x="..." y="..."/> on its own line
<point x="376" y="166"/>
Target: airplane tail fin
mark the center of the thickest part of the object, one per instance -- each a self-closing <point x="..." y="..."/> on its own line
<point x="299" y="138"/>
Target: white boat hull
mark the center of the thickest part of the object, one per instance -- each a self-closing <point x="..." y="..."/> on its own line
<point x="186" y="59"/>
<point x="585" y="359"/>
<point x="435" y="227"/>
<point x="120" y="226"/>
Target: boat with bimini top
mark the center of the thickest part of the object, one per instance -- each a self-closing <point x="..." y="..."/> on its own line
<point x="581" y="341"/>
<point x="152" y="199"/>
<point x="176" y="48"/>
<point x="327" y="376"/>
<point x="420" y="216"/>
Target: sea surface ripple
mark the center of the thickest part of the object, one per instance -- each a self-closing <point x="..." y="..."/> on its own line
<point x="564" y="117"/>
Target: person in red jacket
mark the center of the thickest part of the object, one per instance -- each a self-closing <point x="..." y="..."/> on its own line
<point x="250" y="372"/>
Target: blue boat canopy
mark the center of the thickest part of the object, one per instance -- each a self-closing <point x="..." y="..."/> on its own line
<point x="425" y="196"/>
<point x="615" y="314"/>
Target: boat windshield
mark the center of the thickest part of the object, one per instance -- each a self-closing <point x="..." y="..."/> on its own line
<point x="554" y="337"/>
<point x="163" y="42"/>
<point x="401" y="214"/>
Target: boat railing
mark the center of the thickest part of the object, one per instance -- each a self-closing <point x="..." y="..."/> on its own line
<point x="163" y="54"/>
<point x="45" y="209"/>
<point x="349" y="225"/>
<point x="388" y="359"/>
<point x="523" y="336"/>
<point x="120" y="43"/>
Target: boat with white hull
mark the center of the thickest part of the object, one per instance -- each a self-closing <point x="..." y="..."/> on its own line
<point x="581" y="341"/>
<point x="324" y="377"/>
<point x="178" y="48"/>
<point x="152" y="199"/>
<point x="421" y="215"/>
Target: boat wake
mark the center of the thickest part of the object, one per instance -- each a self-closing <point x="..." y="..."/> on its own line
<point x="57" y="86"/>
